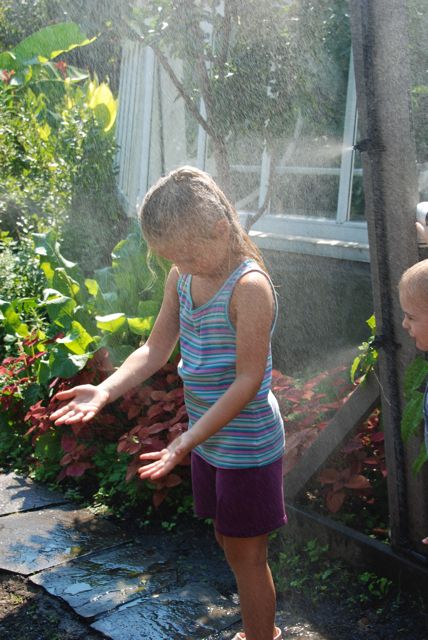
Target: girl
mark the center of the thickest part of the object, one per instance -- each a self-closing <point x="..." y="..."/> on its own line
<point x="221" y="304"/>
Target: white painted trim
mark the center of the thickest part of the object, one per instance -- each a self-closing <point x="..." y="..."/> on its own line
<point x="348" y="151"/>
<point x="264" y="176"/>
<point x="322" y="228"/>
<point x="326" y="248"/>
<point x="148" y="91"/>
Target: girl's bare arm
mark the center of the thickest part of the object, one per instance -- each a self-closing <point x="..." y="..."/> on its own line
<point x="252" y="309"/>
<point x="86" y="400"/>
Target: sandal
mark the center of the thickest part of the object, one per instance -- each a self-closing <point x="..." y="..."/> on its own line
<point x="277" y="636"/>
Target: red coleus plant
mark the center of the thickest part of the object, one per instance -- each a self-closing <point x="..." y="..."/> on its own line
<point x="6" y="75"/>
<point x="359" y="466"/>
<point x="147" y="418"/>
<point x="62" y="67"/>
<point x="159" y="416"/>
<point x="17" y="374"/>
<point x="307" y="407"/>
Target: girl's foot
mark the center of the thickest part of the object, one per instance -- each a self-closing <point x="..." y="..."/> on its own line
<point x="277" y="636"/>
<point x="425" y="541"/>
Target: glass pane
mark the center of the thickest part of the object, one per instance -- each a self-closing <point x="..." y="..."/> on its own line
<point x="245" y="154"/>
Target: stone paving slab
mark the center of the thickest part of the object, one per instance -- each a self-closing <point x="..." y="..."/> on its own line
<point x="197" y="559"/>
<point x="37" y="540"/>
<point x="21" y="494"/>
<point x="194" y="611"/>
<point x="102" y="581"/>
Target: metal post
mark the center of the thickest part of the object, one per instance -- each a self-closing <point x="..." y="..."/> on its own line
<point x="380" y="44"/>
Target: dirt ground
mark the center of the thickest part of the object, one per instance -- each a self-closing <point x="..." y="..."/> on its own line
<point x="27" y="612"/>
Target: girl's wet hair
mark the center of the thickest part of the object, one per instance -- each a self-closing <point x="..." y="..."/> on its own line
<point x="189" y="202"/>
<point x="414" y="283"/>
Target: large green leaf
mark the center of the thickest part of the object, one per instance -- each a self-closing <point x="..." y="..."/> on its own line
<point x="111" y="323"/>
<point x="415" y="375"/>
<point x="63" y="364"/>
<point x="103" y="104"/>
<point x="77" y="340"/>
<point x="420" y="460"/>
<point x="65" y="284"/>
<point x="46" y="44"/>
<point x="60" y="308"/>
<point x="11" y="320"/>
<point x="119" y="353"/>
<point x="412" y="415"/>
<point x="141" y="326"/>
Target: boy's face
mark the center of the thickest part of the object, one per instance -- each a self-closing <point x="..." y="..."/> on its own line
<point x="415" y="321"/>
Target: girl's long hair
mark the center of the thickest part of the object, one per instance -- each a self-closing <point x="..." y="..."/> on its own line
<point x="189" y="201"/>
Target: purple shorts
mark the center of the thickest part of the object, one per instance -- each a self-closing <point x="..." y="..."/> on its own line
<point x="242" y="502"/>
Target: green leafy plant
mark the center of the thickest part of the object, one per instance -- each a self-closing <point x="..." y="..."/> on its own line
<point x="103" y="454"/>
<point x="305" y="568"/>
<point x="77" y="315"/>
<point x="414" y="385"/>
<point x="57" y="128"/>
<point x="375" y="586"/>
<point x="80" y="335"/>
<point x="364" y="363"/>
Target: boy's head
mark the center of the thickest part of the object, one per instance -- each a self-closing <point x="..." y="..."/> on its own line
<point x="413" y="292"/>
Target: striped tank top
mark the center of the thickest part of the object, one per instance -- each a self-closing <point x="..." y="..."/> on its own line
<point x="207" y="367"/>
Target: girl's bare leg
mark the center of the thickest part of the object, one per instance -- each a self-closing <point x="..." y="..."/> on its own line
<point x="247" y="557"/>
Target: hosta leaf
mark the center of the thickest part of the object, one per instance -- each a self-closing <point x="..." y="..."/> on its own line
<point x="64" y="364"/>
<point x="48" y="43"/>
<point x="111" y="323"/>
<point x="77" y="340"/>
<point x="141" y="326"/>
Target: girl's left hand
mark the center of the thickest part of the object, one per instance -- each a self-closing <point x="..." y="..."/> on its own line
<point x="164" y="460"/>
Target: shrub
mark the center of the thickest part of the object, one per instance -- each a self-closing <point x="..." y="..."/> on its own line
<point x="57" y="153"/>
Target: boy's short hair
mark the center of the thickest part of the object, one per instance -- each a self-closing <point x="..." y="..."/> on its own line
<point x="414" y="283"/>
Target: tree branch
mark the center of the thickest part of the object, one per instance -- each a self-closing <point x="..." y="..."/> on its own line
<point x="227" y="29"/>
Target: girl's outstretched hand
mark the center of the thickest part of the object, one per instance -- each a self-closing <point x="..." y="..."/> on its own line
<point x="164" y="460"/>
<point x="85" y="401"/>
